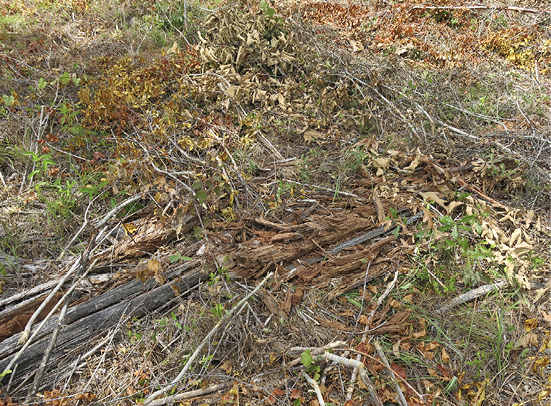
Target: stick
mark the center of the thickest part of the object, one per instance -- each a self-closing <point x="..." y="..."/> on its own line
<point x="25" y="334"/>
<point x="493" y="8"/>
<point x="472" y="294"/>
<point x="358" y="366"/>
<point x="228" y="315"/>
<point x="316" y="387"/>
<point x="400" y="396"/>
<point x="364" y="336"/>
<point x="192" y="394"/>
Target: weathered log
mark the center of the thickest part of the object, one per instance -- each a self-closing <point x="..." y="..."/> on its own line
<point x="93" y="319"/>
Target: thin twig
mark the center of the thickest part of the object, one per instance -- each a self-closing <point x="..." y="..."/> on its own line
<point x="192" y="394"/>
<point x="400" y="396"/>
<point x="472" y="294"/>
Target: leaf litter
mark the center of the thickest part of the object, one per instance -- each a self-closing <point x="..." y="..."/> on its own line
<point x="319" y="241"/>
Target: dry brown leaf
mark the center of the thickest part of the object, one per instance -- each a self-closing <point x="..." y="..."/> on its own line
<point x="379" y="208"/>
<point x="445" y="356"/>
<point x="419" y="334"/>
<point x="427" y="216"/>
<point x="285" y="306"/>
<point x="433" y="197"/>
<point x="398" y="370"/>
<point x="381" y="164"/>
<point x="311" y="135"/>
<point x="396" y="348"/>
<point x="516" y="234"/>
<point x="452" y="206"/>
<point x="364" y="319"/>
<point x="529" y="218"/>
<point x="527" y="339"/>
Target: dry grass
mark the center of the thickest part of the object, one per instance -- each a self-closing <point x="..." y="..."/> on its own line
<point x="393" y="79"/>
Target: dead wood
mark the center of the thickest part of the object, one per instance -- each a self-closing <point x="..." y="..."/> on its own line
<point x="326" y="231"/>
<point x="320" y="236"/>
<point x="94" y="318"/>
<point x="14" y="319"/>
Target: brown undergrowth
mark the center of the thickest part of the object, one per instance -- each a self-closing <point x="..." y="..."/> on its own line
<point x="382" y="170"/>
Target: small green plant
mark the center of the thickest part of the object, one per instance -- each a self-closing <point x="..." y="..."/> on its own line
<point x="43" y="161"/>
<point x="311" y="368"/>
<point x="459" y="244"/>
<point x="178" y="257"/>
<point x="218" y="310"/>
<point x="479" y="362"/>
<point x="206" y="360"/>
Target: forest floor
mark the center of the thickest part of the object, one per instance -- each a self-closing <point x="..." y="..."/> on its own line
<point x="362" y="188"/>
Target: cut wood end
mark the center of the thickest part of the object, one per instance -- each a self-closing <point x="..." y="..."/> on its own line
<point x="24" y="337"/>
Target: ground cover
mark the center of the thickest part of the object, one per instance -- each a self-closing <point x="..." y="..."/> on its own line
<point x="275" y="202"/>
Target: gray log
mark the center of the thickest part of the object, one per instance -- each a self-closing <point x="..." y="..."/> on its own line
<point x="92" y="319"/>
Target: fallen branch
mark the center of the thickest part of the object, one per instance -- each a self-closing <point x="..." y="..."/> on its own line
<point x="473" y="294"/>
<point x="90" y="320"/>
<point x="192" y="394"/>
<point x="316" y="387"/>
<point x="492" y="8"/>
<point x="400" y="396"/>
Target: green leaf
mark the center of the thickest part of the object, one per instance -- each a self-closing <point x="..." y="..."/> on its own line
<point x="42" y="84"/>
<point x="197" y="184"/>
<point x="6" y="372"/>
<point x="174" y="258"/>
<point x="455" y="233"/>
<point x="306" y="358"/>
<point x="8" y="100"/>
<point x="263" y="5"/>
<point x="477" y="228"/>
<point x="201" y="196"/>
<point x="65" y="78"/>
<point x="396" y="232"/>
<point x="270" y="12"/>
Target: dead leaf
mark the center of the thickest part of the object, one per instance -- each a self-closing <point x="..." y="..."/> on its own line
<point x="379" y="208"/>
<point x="433" y="197"/>
<point x="364" y="319"/>
<point x="529" y="218"/>
<point x="527" y="339"/>
<point x="419" y="334"/>
<point x="381" y="164"/>
<point x="285" y="306"/>
<point x="296" y="298"/>
<point x="445" y="356"/>
<point x="452" y="206"/>
<point x="311" y="135"/>
<point x="398" y="370"/>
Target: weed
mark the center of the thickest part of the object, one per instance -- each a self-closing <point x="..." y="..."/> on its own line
<point x="218" y="310"/>
<point x="479" y="362"/>
<point x="311" y="368"/>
